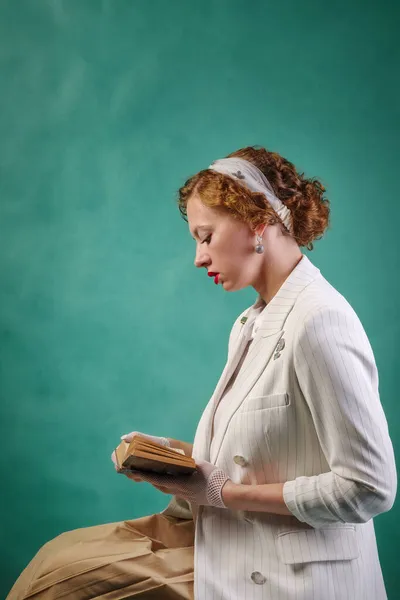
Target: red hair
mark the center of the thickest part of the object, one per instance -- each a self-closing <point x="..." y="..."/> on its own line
<point x="304" y="197"/>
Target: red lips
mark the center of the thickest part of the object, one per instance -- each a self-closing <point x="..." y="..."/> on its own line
<point x="215" y="275"/>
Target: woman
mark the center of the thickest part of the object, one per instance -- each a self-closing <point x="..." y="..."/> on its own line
<point x="293" y="452"/>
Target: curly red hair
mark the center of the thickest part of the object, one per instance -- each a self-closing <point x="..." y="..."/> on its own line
<point x="304" y="197"/>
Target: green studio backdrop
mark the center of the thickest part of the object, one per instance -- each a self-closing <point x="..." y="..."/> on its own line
<point x="106" y="108"/>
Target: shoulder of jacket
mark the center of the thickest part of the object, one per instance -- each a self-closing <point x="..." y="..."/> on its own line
<point x="321" y="297"/>
<point x="322" y="304"/>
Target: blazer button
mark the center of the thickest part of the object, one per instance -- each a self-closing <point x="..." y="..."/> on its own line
<point x="240" y="460"/>
<point x="258" y="578"/>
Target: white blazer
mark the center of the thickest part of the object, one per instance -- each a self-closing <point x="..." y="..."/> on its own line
<point x="304" y="410"/>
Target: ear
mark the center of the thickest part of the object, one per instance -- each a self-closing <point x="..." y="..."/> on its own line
<point x="260" y="229"/>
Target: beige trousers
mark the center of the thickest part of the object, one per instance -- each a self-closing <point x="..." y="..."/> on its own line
<point x="150" y="557"/>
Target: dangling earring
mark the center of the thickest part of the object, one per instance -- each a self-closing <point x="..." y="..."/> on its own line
<point x="259" y="247"/>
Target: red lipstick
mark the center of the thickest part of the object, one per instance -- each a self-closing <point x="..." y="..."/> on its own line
<point x="215" y="275"/>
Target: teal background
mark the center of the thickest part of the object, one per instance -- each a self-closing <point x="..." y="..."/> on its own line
<point x="106" y="108"/>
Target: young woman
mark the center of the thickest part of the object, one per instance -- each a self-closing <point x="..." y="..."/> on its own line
<point x="293" y="451"/>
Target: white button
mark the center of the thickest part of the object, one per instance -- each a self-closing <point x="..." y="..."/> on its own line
<point x="258" y="577"/>
<point x="240" y="460"/>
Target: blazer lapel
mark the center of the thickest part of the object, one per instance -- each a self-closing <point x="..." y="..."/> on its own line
<point x="260" y="352"/>
<point x="201" y="444"/>
<point x="269" y="332"/>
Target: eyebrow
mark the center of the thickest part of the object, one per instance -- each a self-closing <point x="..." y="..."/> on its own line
<point x="196" y="229"/>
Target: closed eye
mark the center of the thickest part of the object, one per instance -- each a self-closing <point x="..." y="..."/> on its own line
<point x="207" y="240"/>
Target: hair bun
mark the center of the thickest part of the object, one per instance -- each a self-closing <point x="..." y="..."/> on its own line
<point x="304" y="197"/>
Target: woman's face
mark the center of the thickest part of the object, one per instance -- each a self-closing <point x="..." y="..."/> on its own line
<point x="224" y="245"/>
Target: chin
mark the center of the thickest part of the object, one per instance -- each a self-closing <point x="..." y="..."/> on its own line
<point x="228" y="287"/>
<point x="232" y="287"/>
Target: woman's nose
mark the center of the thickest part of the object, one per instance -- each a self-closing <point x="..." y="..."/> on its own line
<point x="201" y="259"/>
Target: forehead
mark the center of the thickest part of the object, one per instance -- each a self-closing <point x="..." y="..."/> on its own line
<point x="200" y="216"/>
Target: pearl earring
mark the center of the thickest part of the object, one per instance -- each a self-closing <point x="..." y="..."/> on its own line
<point x="259" y="247"/>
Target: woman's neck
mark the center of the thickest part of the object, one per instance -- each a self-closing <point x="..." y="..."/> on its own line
<point x="281" y="256"/>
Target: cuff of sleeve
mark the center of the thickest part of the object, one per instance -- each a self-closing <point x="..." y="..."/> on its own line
<point x="305" y="503"/>
<point x="289" y="497"/>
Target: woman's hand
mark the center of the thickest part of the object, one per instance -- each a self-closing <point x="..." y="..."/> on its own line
<point x="203" y="487"/>
<point x="128" y="437"/>
<point x="114" y="459"/>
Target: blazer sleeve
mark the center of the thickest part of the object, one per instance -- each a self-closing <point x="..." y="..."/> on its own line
<point x="337" y="374"/>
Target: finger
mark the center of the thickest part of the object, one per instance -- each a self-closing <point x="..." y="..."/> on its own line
<point x="162" y="489"/>
<point x="128" y="437"/>
<point x="134" y="477"/>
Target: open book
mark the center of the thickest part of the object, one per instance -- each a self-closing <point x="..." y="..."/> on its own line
<point x="142" y="454"/>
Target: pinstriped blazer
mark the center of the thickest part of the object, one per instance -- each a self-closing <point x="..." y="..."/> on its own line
<point x="304" y="410"/>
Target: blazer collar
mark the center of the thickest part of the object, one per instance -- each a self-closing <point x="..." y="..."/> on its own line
<point x="273" y="316"/>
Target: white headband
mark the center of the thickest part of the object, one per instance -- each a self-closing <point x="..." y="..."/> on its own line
<point x="250" y="176"/>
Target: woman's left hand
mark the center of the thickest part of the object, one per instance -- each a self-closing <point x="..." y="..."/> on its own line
<point x="203" y="487"/>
